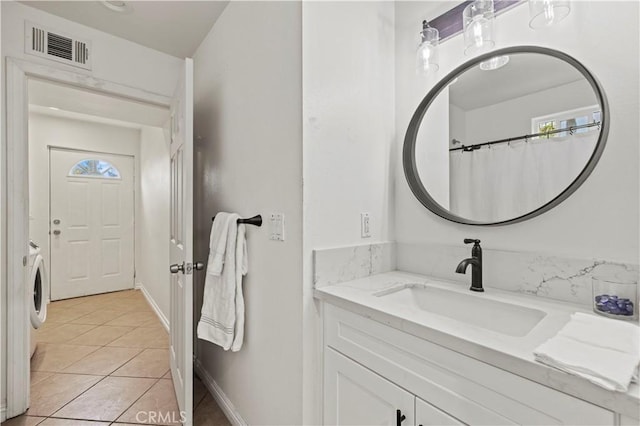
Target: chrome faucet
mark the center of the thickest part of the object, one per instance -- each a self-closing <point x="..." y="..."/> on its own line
<point x="476" y="265"/>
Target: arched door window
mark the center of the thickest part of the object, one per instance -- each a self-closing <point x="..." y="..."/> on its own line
<point x="95" y="168"/>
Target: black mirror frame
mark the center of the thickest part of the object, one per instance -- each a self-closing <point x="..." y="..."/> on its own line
<point x="408" y="152"/>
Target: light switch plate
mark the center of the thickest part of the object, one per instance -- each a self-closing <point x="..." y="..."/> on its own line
<point x="276" y="227"/>
<point x="365" y="225"/>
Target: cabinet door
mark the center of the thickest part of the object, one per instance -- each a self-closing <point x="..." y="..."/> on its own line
<point x="428" y="415"/>
<point x="354" y="395"/>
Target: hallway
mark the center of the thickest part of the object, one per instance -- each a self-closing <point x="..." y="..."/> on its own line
<point x="104" y="360"/>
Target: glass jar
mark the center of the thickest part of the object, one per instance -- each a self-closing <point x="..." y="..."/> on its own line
<point x="616" y="297"/>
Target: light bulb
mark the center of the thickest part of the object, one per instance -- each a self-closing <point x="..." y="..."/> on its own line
<point x="477" y="19"/>
<point x="427" y="54"/>
<point x="477" y="31"/>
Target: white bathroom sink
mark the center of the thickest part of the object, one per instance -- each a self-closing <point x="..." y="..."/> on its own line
<point x="473" y="308"/>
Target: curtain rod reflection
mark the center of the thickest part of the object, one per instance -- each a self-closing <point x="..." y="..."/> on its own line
<point x="569" y="129"/>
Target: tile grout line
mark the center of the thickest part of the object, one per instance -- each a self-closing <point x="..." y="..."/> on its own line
<point x="140" y="397"/>
<point x="87" y="355"/>
<point x="76" y="397"/>
<point x="68" y="323"/>
<point x="140" y="350"/>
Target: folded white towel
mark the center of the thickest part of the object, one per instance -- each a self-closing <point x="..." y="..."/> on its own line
<point x="222" y="316"/>
<point x="604" y="332"/>
<point x="604" y="351"/>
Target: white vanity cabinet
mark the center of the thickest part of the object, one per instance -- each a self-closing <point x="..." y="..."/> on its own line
<point x="355" y="395"/>
<point x="372" y="370"/>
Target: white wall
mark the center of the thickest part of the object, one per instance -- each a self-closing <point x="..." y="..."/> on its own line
<point x="152" y="223"/>
<point x="601" y="218"/>
<point x="248" y="159"/>
<point x="114" y="59"/>
<point x="348" y="120"/>
<point x="457" y="125"/>
<point x="349" y="132"/>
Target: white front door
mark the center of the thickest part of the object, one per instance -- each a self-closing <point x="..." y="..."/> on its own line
<point x="92" y="223"/>
<point x="181" y="242"/>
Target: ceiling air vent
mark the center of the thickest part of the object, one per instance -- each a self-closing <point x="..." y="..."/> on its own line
<point x="57" y="46"/>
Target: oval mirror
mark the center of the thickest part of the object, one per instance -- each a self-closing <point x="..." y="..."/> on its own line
<point x="506" y="136"/>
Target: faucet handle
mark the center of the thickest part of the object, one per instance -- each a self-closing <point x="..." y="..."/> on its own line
<point x="471" y="240"/>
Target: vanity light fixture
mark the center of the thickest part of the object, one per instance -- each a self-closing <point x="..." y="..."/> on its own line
<point x="477" y="21"/>
<point x="544" y="13"/>
<point x="427" y="54"/>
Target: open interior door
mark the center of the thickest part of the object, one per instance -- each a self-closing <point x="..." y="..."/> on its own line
<point x="181" y="241"/>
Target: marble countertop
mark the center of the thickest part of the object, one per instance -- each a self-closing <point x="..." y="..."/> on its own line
<point x="513" y="354"/>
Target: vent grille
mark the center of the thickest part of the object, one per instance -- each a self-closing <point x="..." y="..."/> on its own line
<point x="82" y="53"/>
<point x="37" y="39"/>
<point x="60" y="46"/>
<point x="53" y="45"/>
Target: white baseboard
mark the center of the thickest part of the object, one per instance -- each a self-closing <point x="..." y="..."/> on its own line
<point x="225" y="403"/>
<point x="3" y="413"/>
<point x="163" y="319"/>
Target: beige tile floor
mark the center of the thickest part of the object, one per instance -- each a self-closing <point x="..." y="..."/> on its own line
<point x="104" y="360"/>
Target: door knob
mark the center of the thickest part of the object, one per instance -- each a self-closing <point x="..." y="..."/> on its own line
<point x="175" y="268"/>
<point x="56" y="232"/>
<point x="56" y="221"/>
<point x="198" y="266"/>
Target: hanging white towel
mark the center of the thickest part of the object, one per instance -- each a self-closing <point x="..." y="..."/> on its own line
<point x="604" y="351"/>
<point x="222" y="316"/>
<point x="242" y="266"/>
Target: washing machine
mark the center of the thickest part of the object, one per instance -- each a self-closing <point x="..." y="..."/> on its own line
<point x="38" y="291"/>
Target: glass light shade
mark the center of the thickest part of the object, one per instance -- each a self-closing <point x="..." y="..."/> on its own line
<point x="477" y="19"/>
<point x="545" y="13"/>
<point x="427" y="54"/>
<point x="494" y="63"/>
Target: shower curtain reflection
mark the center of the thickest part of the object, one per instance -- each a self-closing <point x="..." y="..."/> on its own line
<point x="504" y="181"/>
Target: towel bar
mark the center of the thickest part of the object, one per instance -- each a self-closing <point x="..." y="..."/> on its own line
<point x="255" y="220"/>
